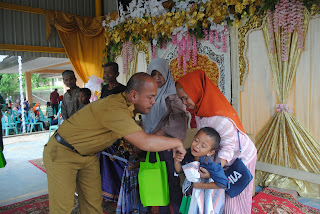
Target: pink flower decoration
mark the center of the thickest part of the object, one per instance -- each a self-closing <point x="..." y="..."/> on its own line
<point x="288" y="15"/>
<point x="164" y="45"/>
<point x="217" y="36"/>
<point x="99" y="81"/>
<point x="130" y="49"/>
<point x="211" y="36"/>
<point x="205" y="31"/>
<point x="270" y="27"/>
<point x="125" y="58"/>
<point x="194" y="51"/>
<point x="153" y="51"/>
<point x="174" y="39"/>
<point x="224" y="40"/>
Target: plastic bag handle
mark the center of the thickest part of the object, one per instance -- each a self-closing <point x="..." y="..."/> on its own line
<point x="147" y="157"/>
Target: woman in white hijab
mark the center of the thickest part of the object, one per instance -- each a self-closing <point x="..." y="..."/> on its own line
<point x="168" y="118"/>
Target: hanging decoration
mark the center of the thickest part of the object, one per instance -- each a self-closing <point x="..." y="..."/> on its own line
<point x="181" y="22"/>
<point x="287" y="17"/>
<point x="23" y="123"/>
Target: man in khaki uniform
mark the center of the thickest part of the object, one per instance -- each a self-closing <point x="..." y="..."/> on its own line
<point x="70" y="156"/>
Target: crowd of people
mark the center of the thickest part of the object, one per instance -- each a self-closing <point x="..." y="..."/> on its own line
<point x="148" y="114"/>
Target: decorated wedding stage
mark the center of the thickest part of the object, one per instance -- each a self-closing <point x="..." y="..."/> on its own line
<point x="263" y="55"/>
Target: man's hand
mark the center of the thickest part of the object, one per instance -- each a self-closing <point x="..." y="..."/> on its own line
<point x="180" y="152"/>
<point x="204" y="173"/>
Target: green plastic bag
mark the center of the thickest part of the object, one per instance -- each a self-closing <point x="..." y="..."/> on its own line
<point x="2" y="160"/>
<point x="185" y="204"/>
<point x="153" y="183"/>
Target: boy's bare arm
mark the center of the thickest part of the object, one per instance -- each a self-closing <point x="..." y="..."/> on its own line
<point x="202" y="185"/>
<point x="177" y="166"/>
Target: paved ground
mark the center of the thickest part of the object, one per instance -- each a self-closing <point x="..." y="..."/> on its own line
<point x="20" y="180"/>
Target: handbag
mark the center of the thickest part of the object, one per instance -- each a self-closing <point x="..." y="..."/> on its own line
<point x="153" y="183"/>
<point x="185" y="204"/>
<point x="2" y="160"/>
<point x="238" y="176"/>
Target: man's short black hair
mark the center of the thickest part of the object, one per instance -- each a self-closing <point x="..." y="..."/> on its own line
<point x="115" y="66"/>
<point x="68" y="72"/>
<point x="136" y="82"/>
<point x="48" y="104"/>
<point x="214" y="135"/>
<point x="86" y="91"/>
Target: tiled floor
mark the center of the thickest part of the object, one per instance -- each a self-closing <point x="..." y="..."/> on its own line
<point x="20" y="180"/>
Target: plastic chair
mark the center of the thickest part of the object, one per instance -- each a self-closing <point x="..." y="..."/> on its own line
<point x="55" y="127"/>
<point x="16" y="119"/>
<point x="7" y="124"/>
<point x="43" y="118"/>
<point x="33" y="121"/>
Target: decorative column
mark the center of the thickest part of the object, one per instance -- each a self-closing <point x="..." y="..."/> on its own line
<point x="28" y="86"/>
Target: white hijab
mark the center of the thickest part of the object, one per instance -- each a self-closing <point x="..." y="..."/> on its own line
<point x="152" y="119"/>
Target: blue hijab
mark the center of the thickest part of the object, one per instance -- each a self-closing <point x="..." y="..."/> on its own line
<point x="152" y="119"/>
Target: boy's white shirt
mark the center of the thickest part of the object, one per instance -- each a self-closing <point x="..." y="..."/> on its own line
<point x="191" y="171"/>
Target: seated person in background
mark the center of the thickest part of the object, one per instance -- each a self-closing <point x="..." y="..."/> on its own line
<point x="55" y="120"/>
<point x="205" y="179"/>
<point x="17" y="106"/>
<point x="49" y="111"/>
<point x="35" y="109"/>
<point x="84" y="97"/>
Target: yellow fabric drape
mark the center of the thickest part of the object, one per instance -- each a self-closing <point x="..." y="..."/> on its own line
<point x="83" y="39"/>
<point x="284" y="141"/>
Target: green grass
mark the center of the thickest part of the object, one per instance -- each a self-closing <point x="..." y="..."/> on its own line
<point x="42" y="88"/>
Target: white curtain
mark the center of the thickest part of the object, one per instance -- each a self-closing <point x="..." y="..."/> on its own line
<point x="258" y="97"/>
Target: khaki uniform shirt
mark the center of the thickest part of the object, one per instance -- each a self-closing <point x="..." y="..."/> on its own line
<point x="99" y="124"/>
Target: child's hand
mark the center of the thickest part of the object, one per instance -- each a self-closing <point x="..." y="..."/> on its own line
<point x="204" y="173"/>
<point x="178" y="157"/>
<point x="132" y="166"/>
<point x="198" y="185"/>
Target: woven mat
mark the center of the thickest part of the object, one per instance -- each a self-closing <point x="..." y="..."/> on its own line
<point x="271" y="201"/>
<point x="40" y="204"/>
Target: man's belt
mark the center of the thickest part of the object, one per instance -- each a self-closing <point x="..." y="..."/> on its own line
<point x="64" y="142"/>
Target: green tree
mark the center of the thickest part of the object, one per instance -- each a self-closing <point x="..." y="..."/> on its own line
<point x="9" y="83"/>
<point x="37" y="80"/>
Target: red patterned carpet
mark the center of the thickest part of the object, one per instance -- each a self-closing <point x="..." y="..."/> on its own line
<point x="40" y="205"/>
<point x="271" y="201"/>
<point x="38" y="163"/>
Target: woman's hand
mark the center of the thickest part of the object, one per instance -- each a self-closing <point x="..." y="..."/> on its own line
<point x="204" y="173"/>
<point x="133" y="166"/>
